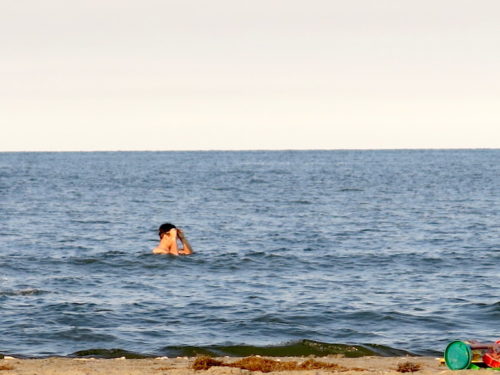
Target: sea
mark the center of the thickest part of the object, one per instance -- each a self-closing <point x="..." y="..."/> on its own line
<point x="353" y="252"/>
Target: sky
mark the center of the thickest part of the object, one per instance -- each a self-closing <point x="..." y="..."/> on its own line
<point x="92" y="75"/>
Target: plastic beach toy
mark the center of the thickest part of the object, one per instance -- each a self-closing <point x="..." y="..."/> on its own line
<point x="460" y="355"/>
<point x="492" y="360"/>
<point x="492" y="357"/>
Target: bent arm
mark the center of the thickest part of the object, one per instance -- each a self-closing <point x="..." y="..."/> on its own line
<point x="187" y="249"/>
<point x="174" y="250"/>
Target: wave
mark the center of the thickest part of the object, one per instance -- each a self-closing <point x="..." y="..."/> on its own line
<point x="297" y="348"/>
<point x="489" y="310"/>
<point x="22" y="292"/>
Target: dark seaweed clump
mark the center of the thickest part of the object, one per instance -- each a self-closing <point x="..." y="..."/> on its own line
<point x="408" y="367"/>
<point x="268" y="365"/>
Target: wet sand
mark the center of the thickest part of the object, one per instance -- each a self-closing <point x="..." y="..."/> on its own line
<point x="183" y="366"/>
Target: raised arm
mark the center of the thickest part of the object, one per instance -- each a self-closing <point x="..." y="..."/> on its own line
<point x="187" y="249"/>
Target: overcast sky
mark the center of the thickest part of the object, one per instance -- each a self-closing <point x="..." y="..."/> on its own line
<point x="249" y="74"/>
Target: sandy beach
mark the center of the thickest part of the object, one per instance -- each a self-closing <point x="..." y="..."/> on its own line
<point x="184" y="366"/>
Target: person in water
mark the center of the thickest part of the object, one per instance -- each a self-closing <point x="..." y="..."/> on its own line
<point x="169" y="236"/>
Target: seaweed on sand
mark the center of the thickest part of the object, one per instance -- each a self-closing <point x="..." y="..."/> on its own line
<point x="205" y="362"/>
<point x="408" y="367"/>
<point x="267" y="365"/>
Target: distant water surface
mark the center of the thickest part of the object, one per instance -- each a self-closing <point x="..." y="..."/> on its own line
<point x="393" y="248"/>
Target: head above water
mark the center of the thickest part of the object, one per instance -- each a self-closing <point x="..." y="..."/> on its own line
<point x="165" y="228"/>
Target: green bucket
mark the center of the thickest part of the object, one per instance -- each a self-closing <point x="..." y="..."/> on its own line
<point x="458" y="355"/>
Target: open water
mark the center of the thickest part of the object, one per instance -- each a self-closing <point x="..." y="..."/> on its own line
<point x="295" y="251"/>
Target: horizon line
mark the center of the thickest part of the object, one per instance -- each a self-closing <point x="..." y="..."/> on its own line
<point x="259" y="150"/>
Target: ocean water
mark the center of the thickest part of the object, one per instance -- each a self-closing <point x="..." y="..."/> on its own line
<point x="296" y="251"/>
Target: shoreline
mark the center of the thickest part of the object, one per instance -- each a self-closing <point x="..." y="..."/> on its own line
<point x="183" y="366"/>
<point x="295" y="348"/>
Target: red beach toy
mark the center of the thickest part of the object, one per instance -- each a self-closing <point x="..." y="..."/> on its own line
<point x="492" y="357"/>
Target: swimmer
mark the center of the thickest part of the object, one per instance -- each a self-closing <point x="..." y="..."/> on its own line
<point x="169" y="234"/>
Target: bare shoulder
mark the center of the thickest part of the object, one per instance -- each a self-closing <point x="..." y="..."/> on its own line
<point x="159" y="250"/>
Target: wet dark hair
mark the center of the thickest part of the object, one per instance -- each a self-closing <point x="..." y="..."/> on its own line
<point x="164" y="228"/>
